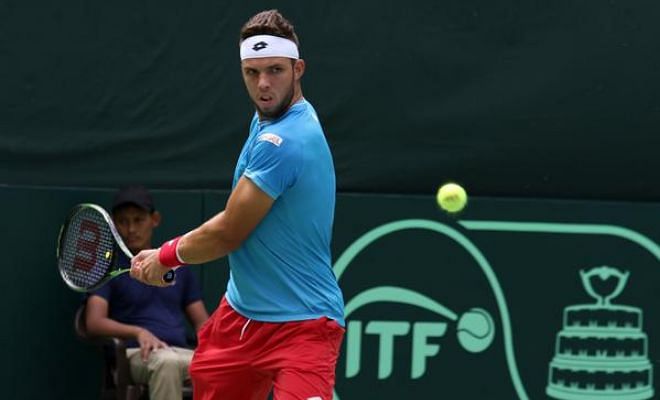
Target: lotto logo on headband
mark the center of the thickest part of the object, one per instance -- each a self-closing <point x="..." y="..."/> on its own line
<point x="262" y="46"/>
<point x="259" y="46"/>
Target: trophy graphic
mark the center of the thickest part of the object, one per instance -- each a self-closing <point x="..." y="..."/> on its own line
<point x="601" y="351"/>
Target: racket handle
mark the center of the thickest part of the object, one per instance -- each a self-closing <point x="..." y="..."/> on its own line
<point x="169" y="276"/>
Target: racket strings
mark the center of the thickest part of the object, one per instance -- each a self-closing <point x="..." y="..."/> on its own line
<point x="87" y="249"/>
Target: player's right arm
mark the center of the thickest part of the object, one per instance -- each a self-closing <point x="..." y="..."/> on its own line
<point x="99" y="324"/>
<point x="217" y="237"/>
<point x="223" y="233"/>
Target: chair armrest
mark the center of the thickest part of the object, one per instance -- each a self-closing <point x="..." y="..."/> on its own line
<point x="118" y="344"/>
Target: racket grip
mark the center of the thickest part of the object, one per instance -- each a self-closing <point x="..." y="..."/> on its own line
<point x="169" y="276"/>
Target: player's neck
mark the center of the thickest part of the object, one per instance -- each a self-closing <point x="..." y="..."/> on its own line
<point x="297" y="96"/>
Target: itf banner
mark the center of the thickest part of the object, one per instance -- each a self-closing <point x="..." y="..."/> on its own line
<point x="512" y="299"/>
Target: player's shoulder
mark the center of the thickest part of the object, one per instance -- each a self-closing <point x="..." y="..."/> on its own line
<point x="299" y="125"/>
<point x="304" y="114"/>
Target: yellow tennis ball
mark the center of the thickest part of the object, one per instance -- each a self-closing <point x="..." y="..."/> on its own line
<point x="451" y="197"/>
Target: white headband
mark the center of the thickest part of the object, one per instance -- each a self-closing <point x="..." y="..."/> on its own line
<point x="262" y="46"/>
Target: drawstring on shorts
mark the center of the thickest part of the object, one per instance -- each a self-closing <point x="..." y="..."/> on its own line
<point x="244" y="329"/>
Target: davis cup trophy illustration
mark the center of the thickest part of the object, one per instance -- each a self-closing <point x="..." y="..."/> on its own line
<point x="601" y="351"/>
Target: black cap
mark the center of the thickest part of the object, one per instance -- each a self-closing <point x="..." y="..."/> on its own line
<point x="137" y="195"/>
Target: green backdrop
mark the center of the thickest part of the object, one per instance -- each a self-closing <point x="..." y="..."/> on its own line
<point x="516" y="98"/>
<point x="518" y="260"/>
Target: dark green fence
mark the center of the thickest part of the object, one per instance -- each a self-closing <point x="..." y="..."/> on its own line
<point x="467" y="307"/>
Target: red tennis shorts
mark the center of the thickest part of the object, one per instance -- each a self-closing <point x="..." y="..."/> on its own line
<point x="240" y="359"/>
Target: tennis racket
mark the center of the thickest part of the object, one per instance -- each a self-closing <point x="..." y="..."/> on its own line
<point x="87" y="249"/>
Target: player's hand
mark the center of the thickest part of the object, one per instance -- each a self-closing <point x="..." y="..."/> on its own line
<point x="148" y="343"/>
<point x="146" y="268"/>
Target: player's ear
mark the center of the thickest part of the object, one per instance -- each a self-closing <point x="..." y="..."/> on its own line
<point x="298" y="69"/>
<point x="155" y="219"/>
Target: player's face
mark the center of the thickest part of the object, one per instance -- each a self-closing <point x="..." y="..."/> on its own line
<point x="273" y="83"/>
<point x="135" y="226"/>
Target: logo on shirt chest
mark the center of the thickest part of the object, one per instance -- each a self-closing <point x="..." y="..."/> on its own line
<point x="270" y="137"/>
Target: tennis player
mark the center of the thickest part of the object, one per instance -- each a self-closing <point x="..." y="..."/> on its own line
<point x="280" y="324"/>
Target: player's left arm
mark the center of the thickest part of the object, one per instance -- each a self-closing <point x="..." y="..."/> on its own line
<point x="224" y="233"/>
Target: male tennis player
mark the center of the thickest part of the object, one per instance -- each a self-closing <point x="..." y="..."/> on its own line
<point x="279" y="325"/>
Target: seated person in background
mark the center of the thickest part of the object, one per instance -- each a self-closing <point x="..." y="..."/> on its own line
<point x="149" y="317"/>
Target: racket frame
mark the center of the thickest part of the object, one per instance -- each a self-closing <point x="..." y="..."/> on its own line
<point x="115" y="234"/>
<point x="168" y="277"/>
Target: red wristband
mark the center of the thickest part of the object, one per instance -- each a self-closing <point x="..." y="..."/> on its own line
<point x="167" y="254"/>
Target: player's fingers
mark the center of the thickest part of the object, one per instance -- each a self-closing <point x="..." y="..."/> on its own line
<point x="136" y="270"/>
<point x="147" y="278"/>
<point x="160" y="282"/>
<point x="154" y="276"/>
<point x="138" y="258"/>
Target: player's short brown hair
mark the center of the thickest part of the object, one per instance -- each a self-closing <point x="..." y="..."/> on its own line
<point x="269" y="22"/>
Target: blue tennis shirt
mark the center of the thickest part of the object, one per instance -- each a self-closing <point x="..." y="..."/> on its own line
<point x="283" y="270"/>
